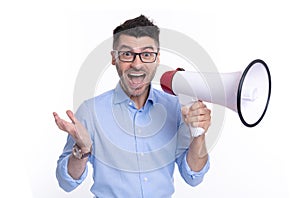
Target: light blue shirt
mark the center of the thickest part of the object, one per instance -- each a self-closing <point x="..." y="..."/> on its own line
<point x="134" y="150"/>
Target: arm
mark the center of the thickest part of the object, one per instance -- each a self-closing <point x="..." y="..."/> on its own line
<point x="198" y="115"/>
<point x="65" y="180"/>
<point x="197" y="155"/>
<point x="191" y="155"/>
<point x="80" y="135"/>
<point x="76" y="167"/>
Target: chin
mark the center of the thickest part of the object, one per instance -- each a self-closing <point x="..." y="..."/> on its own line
<point x="135" y="92"/>
<point x="139" y="92"/>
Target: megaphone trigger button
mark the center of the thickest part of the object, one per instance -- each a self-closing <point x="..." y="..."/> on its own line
<point x="180" y="69"/>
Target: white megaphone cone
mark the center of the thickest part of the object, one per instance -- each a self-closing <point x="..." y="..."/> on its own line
<point x="247" y="93"/>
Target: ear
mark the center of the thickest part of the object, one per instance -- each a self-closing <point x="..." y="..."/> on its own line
<point x="158" y="58"/>
<point x="113" y="58"/>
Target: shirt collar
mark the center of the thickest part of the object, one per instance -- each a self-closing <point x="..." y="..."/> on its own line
<point x="120" y="96"/>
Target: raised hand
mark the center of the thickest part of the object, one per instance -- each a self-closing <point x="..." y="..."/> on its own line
<point x="75" y="129"/>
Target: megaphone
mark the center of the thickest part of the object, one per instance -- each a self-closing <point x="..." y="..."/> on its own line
<point x="247" y="93"/>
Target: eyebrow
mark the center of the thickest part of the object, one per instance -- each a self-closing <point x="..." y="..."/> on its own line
<point x="130" y="48"/>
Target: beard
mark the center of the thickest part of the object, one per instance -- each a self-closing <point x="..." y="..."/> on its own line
<point x="136" y="82"/>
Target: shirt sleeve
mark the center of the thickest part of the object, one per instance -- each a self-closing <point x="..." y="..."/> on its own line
<point x="191" y="177"/>
<point x="66" y="182"/>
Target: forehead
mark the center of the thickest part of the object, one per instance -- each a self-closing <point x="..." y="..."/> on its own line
<point x="133" y="43"/>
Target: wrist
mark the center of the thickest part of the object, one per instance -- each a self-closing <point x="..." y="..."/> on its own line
<point x="81" y="153"/>
<point x="86" y="149"/>
<point x="199" y="140"/>
<point x="197" y="148"/>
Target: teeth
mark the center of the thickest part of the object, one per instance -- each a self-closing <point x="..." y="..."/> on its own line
<point x="136" y="75"/>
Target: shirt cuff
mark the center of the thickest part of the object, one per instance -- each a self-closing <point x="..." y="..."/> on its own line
<point x="67" y="176"/>
<point x="194" y="174"/>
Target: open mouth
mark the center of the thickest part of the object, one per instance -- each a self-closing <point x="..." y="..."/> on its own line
<point x="136" y="78"/>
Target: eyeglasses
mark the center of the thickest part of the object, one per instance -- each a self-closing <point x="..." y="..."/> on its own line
<point x="145" y="57"/>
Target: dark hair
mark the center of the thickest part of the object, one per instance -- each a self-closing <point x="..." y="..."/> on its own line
<point x="137" y="27"/>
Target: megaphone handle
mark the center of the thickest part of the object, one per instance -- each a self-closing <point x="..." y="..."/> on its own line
<point x="188" y="101"/>
<point x="196" y="131"/>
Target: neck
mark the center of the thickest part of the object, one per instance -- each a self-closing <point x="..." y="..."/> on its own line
<point x="140" y="100"/>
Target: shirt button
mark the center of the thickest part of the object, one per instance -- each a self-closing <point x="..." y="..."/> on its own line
<point x="139" y="131"/>
<point x="130" y="103"/>
<point x="142" y="154"/>
<point x="145" y="179"/>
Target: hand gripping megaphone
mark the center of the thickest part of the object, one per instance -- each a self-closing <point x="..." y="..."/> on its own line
<point x="247" y="93"/>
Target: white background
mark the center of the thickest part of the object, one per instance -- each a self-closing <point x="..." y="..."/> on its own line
<point x="42" y="47"/>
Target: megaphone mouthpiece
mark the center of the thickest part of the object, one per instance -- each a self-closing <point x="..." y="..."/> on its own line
<point x="166" y="80"/>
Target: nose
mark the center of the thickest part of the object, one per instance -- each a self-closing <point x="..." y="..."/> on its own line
<point x="137" y="63"/>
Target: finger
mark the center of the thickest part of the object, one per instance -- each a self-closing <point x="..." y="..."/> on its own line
<point x="197" y="105"/>
<point x="199" y="118"/>
<point x="200" y="121"/>
<point x="66" y="126"/>
<point x="71" y="116"/>
<point x="55" y="115"/>
<point x="63" y="124"/>
<point x="60" y="123"/>
<point x="184" y="110"/>
<point x="199" y="111"/>
<point x="204" y="124"/>
<point x="57" y="119"/>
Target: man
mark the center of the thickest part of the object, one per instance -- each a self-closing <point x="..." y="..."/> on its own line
<point x="134" y="134"/>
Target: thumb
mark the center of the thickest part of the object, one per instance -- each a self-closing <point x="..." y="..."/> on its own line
<point x="71" y="116"/>
<point x="184" y="110"/>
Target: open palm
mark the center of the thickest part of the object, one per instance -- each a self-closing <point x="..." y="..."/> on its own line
<point x="75" y="129"/>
